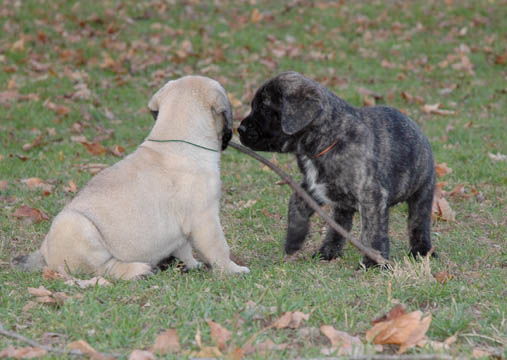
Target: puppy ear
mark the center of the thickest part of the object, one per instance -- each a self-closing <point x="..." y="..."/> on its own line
<point x="301" y="102"/>
<point x="222" y="105"/>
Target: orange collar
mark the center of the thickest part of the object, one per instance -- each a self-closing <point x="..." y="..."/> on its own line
<point x="325" y="150"/>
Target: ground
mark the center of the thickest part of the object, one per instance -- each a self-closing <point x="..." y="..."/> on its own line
<point x="75" y="79"/>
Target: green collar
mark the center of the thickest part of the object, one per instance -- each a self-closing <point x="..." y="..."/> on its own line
<point x="186" y="142"/>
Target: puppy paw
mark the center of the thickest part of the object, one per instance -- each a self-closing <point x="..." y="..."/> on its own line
<point x="326" y="254"/>
<point x="234" y="268"/>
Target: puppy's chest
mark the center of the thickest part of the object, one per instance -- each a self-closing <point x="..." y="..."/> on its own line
<point x="325" y="186"/>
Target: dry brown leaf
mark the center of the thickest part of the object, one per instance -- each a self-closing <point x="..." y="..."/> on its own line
<point x="345" y="344"/>
<point x="168" y="341"/>
<point x="142" y="355"/>
<point x="290" y="319"/>
<point x="30" y="213"/>
<point x="46" y="299"/>
<point x="83" y="284"/>
<point x="72" y="187"/>
<point x="442" y="169"/>
<point x="435" y="109"/>
<point x="117" y="150"/>
<point x="94" y="148"/>
<point x="443" y="276"/>
<point x="256" y="16"/>
<point x="405" y="330"/>
<point x="395" y="312"/>
<point x="444" y="210"/>
<point x="40" y="291"/>
<point x="61" y="110"/>
<point x="82" y="346"/>
<point x="219" y="334"/>
<point x="22" y="353"/>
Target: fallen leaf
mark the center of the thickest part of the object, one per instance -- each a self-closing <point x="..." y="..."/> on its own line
<point x="82" y="346"/>
<point x="443" y="276"/>
<point x="116" y="150"/>
<point x="142" y="355"/>
<point x="23" y="353"/>
<point x="93" y="168"/>
<point x="36" y="142"/>
<point x="83" y="284"/>
<point x="3" y="184"/>
<point x="256" y="16"/>
<point x="435" y="109"/>
<point x="480" y="353"/>
<point x="405" y="330"/>
<point x="168" y="341"/>
<point x="61" y="110"/>
<point x="29" y="305"/>
<point x="395" y="312"/>
<point x="444" y="210"/>
<point x="290" y="319"/>
<point x="72" y="187"/>
<point x="442" y="169"/>
<point x="35" y="182"/>
<point x="94" y="148"/>
<point x="346" y="344"/>
<point x="30" y="213"/>
<point x="497" y="156"/>
<point x="219" y="334"/>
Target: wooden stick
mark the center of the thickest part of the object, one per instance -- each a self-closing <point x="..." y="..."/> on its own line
<point x="367" y="251"/>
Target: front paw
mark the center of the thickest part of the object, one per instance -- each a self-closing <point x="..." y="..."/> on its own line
<point x="291" y="248"/>
<point x="327" y="253"/>
<point x="237" y="269"/>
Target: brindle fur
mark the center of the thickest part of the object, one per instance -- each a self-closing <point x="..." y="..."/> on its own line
<point x="381" y="158"/>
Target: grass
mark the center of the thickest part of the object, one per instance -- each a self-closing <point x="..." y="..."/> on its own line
<point x="342" y="46"/>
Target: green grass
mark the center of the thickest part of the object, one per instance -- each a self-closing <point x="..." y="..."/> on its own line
<point x="342" y="46"/>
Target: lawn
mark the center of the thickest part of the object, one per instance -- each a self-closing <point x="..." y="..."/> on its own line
<point x="83" y="72"/>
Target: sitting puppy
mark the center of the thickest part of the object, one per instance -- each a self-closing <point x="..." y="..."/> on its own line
<point x="156" y="202"/>
<point x="356" y="159"/>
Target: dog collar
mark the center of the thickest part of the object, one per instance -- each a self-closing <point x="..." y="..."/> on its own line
<point x="325" y="150"/>
<point x="186" y="142"/>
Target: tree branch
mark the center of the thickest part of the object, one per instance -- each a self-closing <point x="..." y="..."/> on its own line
<point x="367" y="251"/>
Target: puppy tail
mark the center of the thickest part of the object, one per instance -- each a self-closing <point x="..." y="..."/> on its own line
<point x="31" y="262"/>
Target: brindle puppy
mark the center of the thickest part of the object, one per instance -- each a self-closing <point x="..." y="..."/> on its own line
<point x="356" y="159"/>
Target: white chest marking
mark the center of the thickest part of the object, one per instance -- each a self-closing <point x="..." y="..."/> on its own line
<point x="319" y="191"/>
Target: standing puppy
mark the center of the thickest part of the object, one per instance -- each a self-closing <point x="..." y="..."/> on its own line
<point x="159" y="201"/>
<point x="356" y="159"/>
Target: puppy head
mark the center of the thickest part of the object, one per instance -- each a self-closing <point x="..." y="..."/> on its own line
<point x="199" y="91"/>
<point x="282" y="108"/>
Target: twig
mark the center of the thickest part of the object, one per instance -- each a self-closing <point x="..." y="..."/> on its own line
<point x="367" y="251"/>
<point x="17" y="336"/>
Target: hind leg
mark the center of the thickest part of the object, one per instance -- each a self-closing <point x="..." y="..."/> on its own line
<point x="419" y="221"/>
<point x="333" y="243"/>
<point x="75" y="243"/>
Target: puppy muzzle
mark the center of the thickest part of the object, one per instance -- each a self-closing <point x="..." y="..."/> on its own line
<point x="248" y="134"/>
